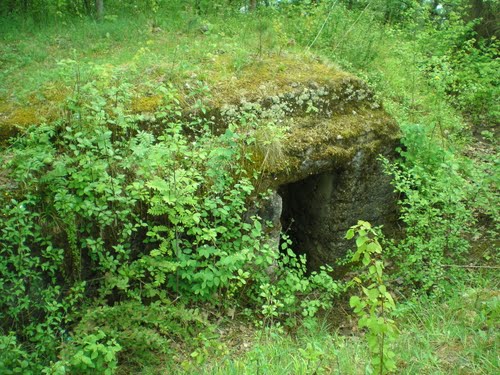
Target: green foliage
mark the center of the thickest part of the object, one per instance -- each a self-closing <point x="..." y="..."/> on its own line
<point x="435" y="336"/>
<point x="434" y="197"/>
<point x="105" y="204"/>
<point x="474" y="83"/>
<point x="50" y="10"/>
<point x="375" y="306"/>
<point x="124" y="210"/>
<point x="13" y="359"/>
<point x="133" y="335"/>
<point x="81" y="185"/>
<point x="338" y="33"/>
<point x="288" y="294"/>
<point x="443" y="334"/>
<point x="458" y="63"/>
<point x="439" y="43"/>
<point x="202" y="238"/>
<point x="36" y="304"/>
<point x="93" y="353"/>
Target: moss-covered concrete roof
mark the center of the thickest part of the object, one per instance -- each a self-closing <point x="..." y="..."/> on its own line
<point x="319" y="98"/>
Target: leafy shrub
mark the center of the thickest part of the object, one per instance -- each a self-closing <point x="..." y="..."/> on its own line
<point x="434" y="193"/>
<point x="133" y="335"/>
<point x="93" y="354"/>
<point x="466" y="70"/>
<point x="474" y="84"/>
<point x="110" y="205"/>
<point x="289" y="293"/>
<point x="14" y="360"/>
<point x="456" y="61"/>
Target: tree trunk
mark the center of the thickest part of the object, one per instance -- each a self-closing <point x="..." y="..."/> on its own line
<point x="99" y="8"/>
<point x="25" y="6"/>
<point x="87" y="7"/>
<point x="489" y="14"/>
<point x="253" y="4"/>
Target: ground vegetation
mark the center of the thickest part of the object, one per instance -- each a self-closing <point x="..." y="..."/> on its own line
<point x="125" y="241"/>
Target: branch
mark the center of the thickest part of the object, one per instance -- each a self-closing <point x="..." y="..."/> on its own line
<point x="470" y="266"/>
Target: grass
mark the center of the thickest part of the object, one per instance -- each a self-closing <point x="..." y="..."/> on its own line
<point x="453" y="335"/>
<point x="42" y="65"/>
<point x="184" y="46"/>
<point x="180" y="44"/>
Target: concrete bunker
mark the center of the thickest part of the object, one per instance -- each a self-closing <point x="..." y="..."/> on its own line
<point x="326" y="175"/>
<point x="317" y="211"/>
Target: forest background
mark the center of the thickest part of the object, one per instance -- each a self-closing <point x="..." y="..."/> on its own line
<point x="122" y="244"/>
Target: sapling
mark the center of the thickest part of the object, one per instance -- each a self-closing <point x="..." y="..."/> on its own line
<point x="375" y="304"/>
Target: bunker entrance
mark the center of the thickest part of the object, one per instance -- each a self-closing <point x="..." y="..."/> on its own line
<point x="311" y="216"/>
<point x="317" y="211"/>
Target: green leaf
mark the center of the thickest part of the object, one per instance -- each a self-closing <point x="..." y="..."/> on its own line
<point x="374" y="247"/>
<point x="372" y="294"/>
<point x="354" y="301"/>
<point x="86" y="360"/>
<point x="390" y="364"/>
<point x="356" y="256"/>
<point x="390" y="300"/>
<point x="361" y="241"/>
<point x="94" y="354"/>
<point x="109" y="356"/>
<point x="379" y="267"/>
<point x="372" y="340"/>
<point x="257" y="225"/>
<point x="366" y="259"/>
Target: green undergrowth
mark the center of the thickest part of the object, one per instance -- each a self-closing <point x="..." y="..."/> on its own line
<point x="440" y="82"/>
<point x="436" y="336"/>
<point x="125" y="241"/>
<point x="176" y="48"/>
<point x="109" y="213"/>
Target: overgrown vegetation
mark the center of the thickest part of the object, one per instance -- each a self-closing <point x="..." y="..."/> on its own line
<point x="126" y="245"/>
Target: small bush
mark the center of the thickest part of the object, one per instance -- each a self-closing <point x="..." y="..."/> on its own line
<point x="434" y="194"/>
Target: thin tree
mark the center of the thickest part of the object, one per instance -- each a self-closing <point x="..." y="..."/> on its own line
<point x="99" y="8"/>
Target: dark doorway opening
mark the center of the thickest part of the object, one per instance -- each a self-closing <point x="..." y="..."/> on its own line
<point x="310" y="217"/>
<point x="317" y="211"/>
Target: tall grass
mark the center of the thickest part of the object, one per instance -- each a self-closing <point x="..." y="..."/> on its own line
<point x="449" y="336"/>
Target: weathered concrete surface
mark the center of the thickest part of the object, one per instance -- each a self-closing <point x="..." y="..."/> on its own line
<point x="324" y="166"/>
